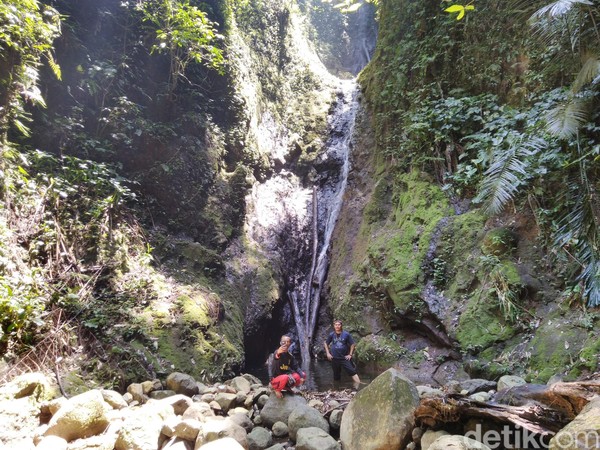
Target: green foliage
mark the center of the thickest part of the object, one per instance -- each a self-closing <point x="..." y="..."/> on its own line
<point x="184" y="33"/>
<point x="460" y="9"/>
<point x="26" y="35"/>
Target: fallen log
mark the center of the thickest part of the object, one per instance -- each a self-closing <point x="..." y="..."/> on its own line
<point x="541" y="409"/>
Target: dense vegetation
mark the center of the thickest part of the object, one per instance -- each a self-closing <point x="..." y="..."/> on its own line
<point x="501" y="107"/>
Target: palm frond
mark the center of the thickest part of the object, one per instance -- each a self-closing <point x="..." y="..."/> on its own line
<point x="590" y="71"/>
<point x="565" y="120"/>
<point x="579" y="232"/>
<point x="506" y="173"/>
<point x="558" y="8"/>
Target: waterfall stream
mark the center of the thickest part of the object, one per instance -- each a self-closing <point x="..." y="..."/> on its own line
<point x="330" y="199"/>
<point x="292" y="218"/>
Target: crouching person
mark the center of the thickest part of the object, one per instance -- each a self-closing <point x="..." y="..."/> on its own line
<point x="284" y="369"/>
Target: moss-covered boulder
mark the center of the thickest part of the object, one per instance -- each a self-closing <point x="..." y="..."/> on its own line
<point x="499" y="242"/>
<point x="555" y="348"/>
<point x="378" y="351"/>
<point x="381" y="416"/>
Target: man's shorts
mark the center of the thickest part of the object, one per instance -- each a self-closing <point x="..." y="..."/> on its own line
<point x="348" y="366"/>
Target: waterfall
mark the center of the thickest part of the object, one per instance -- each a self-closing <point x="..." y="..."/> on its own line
<point x="291" y="218"/>
<point x="330" y="198"/>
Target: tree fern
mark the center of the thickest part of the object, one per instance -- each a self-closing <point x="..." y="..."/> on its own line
<point x="507" y="171"/>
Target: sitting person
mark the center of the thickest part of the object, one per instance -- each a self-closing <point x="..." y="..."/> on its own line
<point x="284" y="368"/>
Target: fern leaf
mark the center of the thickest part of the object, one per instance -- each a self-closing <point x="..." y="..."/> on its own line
<point x="558" y="8"/>
<point x="588" y="73"/>
<point x="565" y="120"/>
<point x="54" y="66"/>
<point x="506" y="174"/>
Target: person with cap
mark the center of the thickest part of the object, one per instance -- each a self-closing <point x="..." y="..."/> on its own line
<point x="284" y="369"/>
<point x="339" y="347"/>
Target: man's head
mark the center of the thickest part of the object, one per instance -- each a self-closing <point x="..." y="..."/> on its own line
<point x="285" y="341"/>
<point x="337" y="325"/>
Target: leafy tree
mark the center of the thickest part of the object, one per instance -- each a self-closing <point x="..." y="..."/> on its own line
<point x="27" y="31"/>
<point x="184" y="33"/>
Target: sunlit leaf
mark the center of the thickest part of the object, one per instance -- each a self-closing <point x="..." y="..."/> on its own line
<point x="565" y="120"/>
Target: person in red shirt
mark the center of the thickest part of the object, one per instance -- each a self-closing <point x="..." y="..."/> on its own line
<point x="284" y="368"/>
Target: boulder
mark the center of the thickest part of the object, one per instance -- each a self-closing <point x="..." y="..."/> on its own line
<point x="200" y="411"/>
<point x="241" y="384"/>
<point x="279" y="409"/>
<point x="35" y="385"/>
<point x="582" y="432"/>
<point x="243" y="421"/>
<point x="508" y="381"/>
<point x="179" y="402"/>
<point x="225" y="400"/>
<point x="280" y="429"/>
<point x="314" y="438"/>
<point x="215" y="429"/>
<point x="380" y="416"/>
<point x="182" y="383"/>
<point x="259" y="439"/>
<point x="82" y="416"/>
<point x="306" y="417"/>
<point x="114" y="399"/>
<point x="104" y="441"/>
<point x="335" y="419"/>
<point x="141" y="430"/>
<point x="477" y="385"/>
<point x="430" y="436"/>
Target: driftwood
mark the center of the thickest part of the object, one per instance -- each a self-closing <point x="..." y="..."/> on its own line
<point x="541" y="409"/>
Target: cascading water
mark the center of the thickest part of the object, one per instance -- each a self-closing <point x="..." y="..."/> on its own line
<point x="330" y="198"/>
<point x="292" y="220"/>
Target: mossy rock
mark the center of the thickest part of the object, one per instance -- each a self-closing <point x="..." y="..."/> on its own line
<point x="556" y="347"/>
<point x="381" y="352"/>
<point x="499" y="242"/>
<point x="481" y="325"/>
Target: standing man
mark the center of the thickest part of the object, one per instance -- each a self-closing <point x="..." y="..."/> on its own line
<point x="339" y="347"/>
<point x="284" y="368"/>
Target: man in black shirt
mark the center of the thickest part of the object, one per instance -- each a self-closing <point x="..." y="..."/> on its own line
<point x="284" y="368"/>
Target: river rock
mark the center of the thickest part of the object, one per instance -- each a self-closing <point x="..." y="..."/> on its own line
<point x="215" y="429"/>
<point x="477" y="385"/>
<point x="430" y="436"/>
<point x="182" y="383"/>
<point x="241" y="384"/>
<point x="306" y="417"/>
<point x="141" y="430"/>
<point x="259" y="439"/>
<point x="314" y="438"/>
<point x="82" y="416"/>
<point x="279" y="409"/>
<point x="380" y="416"/>
<point x="335" y="419"/>
<point x="583" y="432"/>
<point x="508" y="381"/>
<point x="280" y="429"/>
<point x="243" y="421"/>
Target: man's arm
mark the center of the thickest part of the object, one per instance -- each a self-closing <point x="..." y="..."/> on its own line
<point x="327" y="352"/>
